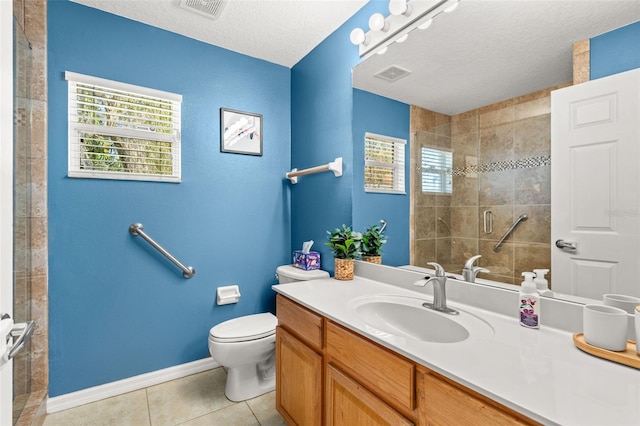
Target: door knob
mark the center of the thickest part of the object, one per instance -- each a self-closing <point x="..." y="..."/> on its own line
<point x="570" y="246"/>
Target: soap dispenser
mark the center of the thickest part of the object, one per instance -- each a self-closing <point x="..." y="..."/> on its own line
<point x="529" y="302"/>
<point x="542" y="285"/>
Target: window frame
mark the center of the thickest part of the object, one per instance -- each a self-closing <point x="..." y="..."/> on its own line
<point x="76" y="129"/>
<point x="398" y="166"/>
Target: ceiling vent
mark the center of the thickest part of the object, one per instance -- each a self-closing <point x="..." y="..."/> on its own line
<point x="209" y="8"/>
<point x="393" y="73"/>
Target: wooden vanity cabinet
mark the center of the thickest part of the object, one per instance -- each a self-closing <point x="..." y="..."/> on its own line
<point x="349" y="403"/>
<point x="442" y="402"/>
<point x="298" y="381"/>
<point x="387" y="375"/>
<point x="329" y="375"/>
<point x="299" y="365"/>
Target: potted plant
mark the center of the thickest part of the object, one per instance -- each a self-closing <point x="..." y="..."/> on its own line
<point x="371" y="247"/>
<point x="345" y="245"/>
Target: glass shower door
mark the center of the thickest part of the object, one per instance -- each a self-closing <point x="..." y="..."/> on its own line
<point x="22" y="110"/>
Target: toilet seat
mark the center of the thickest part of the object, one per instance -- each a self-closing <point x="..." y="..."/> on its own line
<point x="242" y="329"/>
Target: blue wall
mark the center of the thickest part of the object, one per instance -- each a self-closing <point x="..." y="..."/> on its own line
<point x="616" y="51"/>
<point x="321" y="105"/>
<point x="384" y="116"/>
<point x="117" y="308"/>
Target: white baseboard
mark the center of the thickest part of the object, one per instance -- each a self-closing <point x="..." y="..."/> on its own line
<point x="96" y="393"/>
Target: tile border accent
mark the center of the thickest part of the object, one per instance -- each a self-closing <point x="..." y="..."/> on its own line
<point x="498" y="166"/>
<point x="107" y="390"/>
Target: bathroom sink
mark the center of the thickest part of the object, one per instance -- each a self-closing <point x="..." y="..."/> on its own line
<point x="406" y="317"/>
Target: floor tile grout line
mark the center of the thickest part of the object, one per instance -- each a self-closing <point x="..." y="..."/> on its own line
<point x="146" y="394"/>
<point x="147" y="400"/>
<point x="253" y="412"/>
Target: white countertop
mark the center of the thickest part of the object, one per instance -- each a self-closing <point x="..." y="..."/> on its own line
<point x="537" y="372"/>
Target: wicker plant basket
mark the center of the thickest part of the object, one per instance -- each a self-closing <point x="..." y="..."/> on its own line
<point x="373" y="259"/>
<point x="344" y="269"/>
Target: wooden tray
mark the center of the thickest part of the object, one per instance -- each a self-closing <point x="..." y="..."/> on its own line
<point x="627" y="357"/>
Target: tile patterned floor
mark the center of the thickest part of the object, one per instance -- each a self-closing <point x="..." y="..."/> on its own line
<point x="196" y="400"/>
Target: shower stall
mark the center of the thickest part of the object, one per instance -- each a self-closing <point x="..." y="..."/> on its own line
<point x="22" y="61"/>
<point x="30" y="268"/>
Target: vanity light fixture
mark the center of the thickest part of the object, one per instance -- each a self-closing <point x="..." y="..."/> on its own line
<point x="399" y="7"/>
<point x="453" y="6"/>
<point x="405" y="17"/>
<point x="358" y="37"/>
<point x="377" y="22"/>
<point x="426" y="24"/>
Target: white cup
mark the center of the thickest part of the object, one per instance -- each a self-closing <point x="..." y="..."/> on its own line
<point x="626" y="303"/>
<point x="605" y="327"/>
<point x="637" y="319"/>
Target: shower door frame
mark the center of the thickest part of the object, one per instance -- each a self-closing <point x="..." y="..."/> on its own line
<point x="6" y="194"/>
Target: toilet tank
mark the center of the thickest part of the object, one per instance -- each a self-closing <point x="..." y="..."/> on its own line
<point x="290" y="274"/>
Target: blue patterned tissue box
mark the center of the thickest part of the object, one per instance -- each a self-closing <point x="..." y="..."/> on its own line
<point x="306" y="261"/>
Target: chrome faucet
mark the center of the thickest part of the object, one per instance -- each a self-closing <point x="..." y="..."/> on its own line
<point x="469" y="272"/>
<point x="439" y="282"/>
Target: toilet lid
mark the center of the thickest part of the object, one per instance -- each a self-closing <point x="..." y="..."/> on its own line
<point x="249" y="327"/>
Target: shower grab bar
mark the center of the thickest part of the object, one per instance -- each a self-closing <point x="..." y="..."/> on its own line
<point x="136" y="229"/>
<point x="334" y="166"/>
<point x="520" y="218"/>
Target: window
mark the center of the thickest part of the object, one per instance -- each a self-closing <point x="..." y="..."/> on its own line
<point x="436" y="170"/>
<point x="383" y="164"/>
<point x="122" y="131"/>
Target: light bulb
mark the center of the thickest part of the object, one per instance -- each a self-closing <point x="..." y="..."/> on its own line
<point x="426" y="24"/>
<point x="377" y="23"/>
<point x="357" y="36"/>
<point x="452" y="7"/>
<point x="398" y="7"/>
<point x="382" y="51"/>
<point x="403" y="38"/>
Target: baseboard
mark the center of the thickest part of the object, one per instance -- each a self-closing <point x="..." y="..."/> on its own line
<point x="96" y="393"/>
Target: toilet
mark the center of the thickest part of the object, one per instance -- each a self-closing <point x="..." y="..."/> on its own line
<point x="245" y="346"/>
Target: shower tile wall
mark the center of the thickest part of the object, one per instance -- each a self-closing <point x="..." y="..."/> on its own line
<point x="581" y="61"/>
<point x="448" y="229"/>
<point x="31" y="299"/>
<point x="429" y="212"/>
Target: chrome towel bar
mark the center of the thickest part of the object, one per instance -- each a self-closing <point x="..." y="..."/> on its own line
<point x="520" y="218"/>
<point x="136" y="229"/>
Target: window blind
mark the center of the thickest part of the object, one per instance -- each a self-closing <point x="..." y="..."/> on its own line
<point x="122" y="131"/>
<point x="436" y="169"/>
<point x="384" y="164"/>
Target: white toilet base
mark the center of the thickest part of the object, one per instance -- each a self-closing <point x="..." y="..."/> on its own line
<point x="246" y="383"/>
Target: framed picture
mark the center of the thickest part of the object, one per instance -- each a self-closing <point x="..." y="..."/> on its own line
<point x="240" y="132"/>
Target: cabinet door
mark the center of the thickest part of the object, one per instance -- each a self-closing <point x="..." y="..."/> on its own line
<point x="348" y="403"/>
<point x="441" y="403"/>
<point x="303" y="323"/>
<point x="298" y="381"/>
<point x="383" y="372"/>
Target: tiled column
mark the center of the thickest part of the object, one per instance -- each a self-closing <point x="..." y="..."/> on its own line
<point x="581" y="61"/>
<point x="32" y="15"/>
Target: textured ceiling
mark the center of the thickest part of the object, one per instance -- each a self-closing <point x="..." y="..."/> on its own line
<point x="278" y="31"/>
<point x="484" y="52"/>
<point x="487" y="51"/>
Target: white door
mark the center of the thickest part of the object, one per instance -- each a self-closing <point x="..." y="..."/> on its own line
<point x="6" y="194"/>
<point x="595" y="187"/>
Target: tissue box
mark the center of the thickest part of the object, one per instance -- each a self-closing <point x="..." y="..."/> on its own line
<point x="306" y="261"/>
